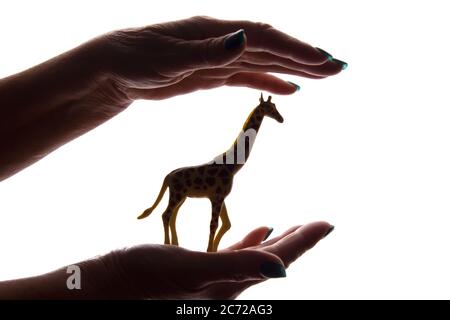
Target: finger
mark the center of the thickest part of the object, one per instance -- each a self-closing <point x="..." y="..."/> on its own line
<point x="254" y="238"/>
<point x="304" y="238"/>
<point x="254" y="80"/>
<point x="231" y="290"/>
<point x="185" y="86"/>
<point x="235" y="68"/>
<point x="211" y="52"/>
<point x="268" y="39"/>
<point x="276" y="239"/>
<point x="249" y="67"/>
<point x="264" y="37"/>
<point x="261" y="81"/>
<point x="330" y="67"/>
<point x="234" y="266"/>
<point x="260" y="37"/>
<point x="311" y="233"/>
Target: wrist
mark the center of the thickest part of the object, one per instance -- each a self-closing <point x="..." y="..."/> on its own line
<point x="87" y="280"/>
<point x="100" y="60"/>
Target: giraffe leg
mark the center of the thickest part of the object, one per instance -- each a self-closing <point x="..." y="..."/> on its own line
<point x="172" y="223"/>
<point x="225" y="226"/>
<point x="216" y="208"/>
<point x="166" y="216"/>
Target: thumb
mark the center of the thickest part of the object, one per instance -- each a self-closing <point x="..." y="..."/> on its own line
<point x="213" y="52"/>
<point x="238" y="266"/>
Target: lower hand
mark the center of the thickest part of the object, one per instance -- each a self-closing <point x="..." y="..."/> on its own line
<point x="170" y="272"/>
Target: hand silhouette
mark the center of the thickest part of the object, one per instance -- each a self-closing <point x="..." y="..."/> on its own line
<point x="163" y="60"/>
<point x="52" y="103"/>
<point x="170" y="272"/>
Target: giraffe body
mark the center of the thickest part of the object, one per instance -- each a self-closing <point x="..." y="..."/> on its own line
<point x="213" y="180"/>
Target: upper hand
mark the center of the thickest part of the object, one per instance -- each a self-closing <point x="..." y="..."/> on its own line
<point x="163" y="60"/>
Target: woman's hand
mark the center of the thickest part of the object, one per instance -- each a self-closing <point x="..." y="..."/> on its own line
<point x="170" y="272"/>
<point x="52" y="103"/>
<point x="168" y="59"/>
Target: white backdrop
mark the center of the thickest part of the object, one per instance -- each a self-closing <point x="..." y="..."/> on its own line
<point x="367" y="150"/>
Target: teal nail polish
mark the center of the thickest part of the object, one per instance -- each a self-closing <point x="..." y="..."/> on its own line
<point x="297" y="87"/>
<point x="269" y="232"/>
<point x="272" y="270"/>
<point x="329" y="231"/>
<point x="342" y="63"/>
<point x="326" y="54"/>
<point x="235" y="40"/>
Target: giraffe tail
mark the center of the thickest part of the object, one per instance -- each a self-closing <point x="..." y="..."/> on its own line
<point x="147" y="212"/>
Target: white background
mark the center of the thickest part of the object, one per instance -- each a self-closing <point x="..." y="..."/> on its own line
<point x="367" y="150"/>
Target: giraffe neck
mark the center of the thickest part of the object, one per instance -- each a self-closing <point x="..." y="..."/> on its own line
<point x="235" y="157"/>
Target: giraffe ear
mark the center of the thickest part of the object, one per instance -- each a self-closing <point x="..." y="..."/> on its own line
<point x="268" y="100"/>
<point x="261" y="99"/>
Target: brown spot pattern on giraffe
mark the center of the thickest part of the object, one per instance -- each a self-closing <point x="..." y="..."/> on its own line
<point x="223" y="173"/>
<point x="212" y="171"/>
<point x="210" y="181"/>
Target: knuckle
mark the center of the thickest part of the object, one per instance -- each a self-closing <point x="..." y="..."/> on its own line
<point x="238" y="277"/>
<point x="208" y="55"/>
<point x="202" y="18"/>
<point x="262" y="26"/>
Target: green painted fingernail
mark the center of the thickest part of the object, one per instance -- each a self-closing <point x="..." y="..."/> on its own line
<point x="297" y="87"/>
<point x="269" y="232"/>
<point x="343" y="64"/>
<point x="329" y="231"/>
<point x="235" y="40"/>
<point x="326" y="54"/>
<point x="272" y="270"/>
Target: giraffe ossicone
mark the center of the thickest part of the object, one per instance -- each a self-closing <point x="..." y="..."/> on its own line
<point x="212" y="180"/>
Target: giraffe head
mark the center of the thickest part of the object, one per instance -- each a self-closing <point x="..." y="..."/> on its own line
<point x="269" y="109"/>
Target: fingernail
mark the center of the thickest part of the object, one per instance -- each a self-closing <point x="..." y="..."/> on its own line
<point x="235" y="40"/>
<point x="326" y="54"/>
<point x="342" y="63"/>
<point x="273" y="270"/>
<point x="297" y="87"/>
<point x="329" y="231"/>
<point x="269" y="232"/>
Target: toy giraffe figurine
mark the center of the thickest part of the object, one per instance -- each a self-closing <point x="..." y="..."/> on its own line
<point x="212" y="180"/>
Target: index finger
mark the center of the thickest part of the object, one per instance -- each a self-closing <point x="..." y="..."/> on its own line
<point x="297" y="243"/>
<point x="264" y="37"/>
